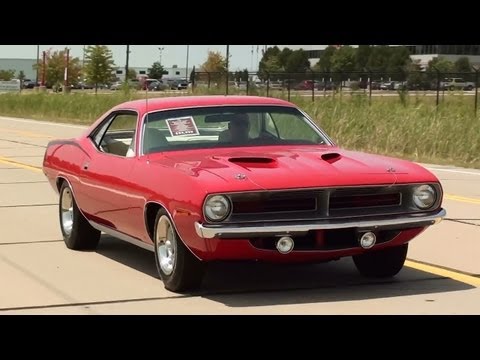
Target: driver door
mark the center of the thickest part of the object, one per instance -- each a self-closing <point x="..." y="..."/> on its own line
<point x="107" y="177"/>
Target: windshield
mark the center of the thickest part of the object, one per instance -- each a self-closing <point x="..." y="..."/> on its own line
<point x="223" y="126"/>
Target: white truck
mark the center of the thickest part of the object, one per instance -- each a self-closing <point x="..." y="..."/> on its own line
<point x="456" y="84"/>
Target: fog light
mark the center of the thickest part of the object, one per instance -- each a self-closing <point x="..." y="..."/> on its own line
<point x="285" y="245"/>
<point x="367" y="240"/>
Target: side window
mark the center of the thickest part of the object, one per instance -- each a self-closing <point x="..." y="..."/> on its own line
<point x="281" y="126"/>
<point x="270" y="126"/>
<point x="117" y="135"/>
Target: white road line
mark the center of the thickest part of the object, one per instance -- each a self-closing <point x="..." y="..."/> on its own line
<point x="455" y="171"/>
<point x="42" y="122"/>
<point x="85" y="127"/>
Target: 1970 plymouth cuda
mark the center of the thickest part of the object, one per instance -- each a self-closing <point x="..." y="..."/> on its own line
<point x="202" y="178"/>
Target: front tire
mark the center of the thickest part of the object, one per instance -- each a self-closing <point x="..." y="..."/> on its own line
<point x="382" y="263"/>
<point x="77" y="232"/>
<point x="178" y="268"/>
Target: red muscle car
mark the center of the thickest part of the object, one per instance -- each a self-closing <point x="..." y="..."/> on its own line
<point x="202" y="178"/>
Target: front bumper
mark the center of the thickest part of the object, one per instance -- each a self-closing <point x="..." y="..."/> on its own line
<point x="283" y="228"/>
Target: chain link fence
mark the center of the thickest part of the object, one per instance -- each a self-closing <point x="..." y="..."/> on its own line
<point x="315" y="84"/>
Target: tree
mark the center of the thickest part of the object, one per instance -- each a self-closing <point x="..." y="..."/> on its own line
<point x="416" y="77"/>
<point x="7" y="75"/>
<point x="99" y="65"/>
<point x="284" y="56"/>
<point x="444" y="66"/>
<point x="297" y="62"/>
<point x="216" y="65"/>
<point x="398" y="62"/>
<point x="343" y="61"/>
<point x="241" y="75"/>
<point x="21" y="75"/>
<point x="378" y="61"/>
<point x="324" y="65"/>
<point x="270" y="63"/>
<point x="192" y="76"/>
<point x="156" y="71"/>
<point x="361" y="57"/>
<point x="55" y="68"/>
<point x="132" y="74"/>
<point x="463" y="64"/>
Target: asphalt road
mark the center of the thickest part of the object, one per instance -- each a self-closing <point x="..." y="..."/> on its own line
<point x="39" y="275"/>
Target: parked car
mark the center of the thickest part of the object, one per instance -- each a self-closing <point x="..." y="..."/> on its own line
<point x="206" y="178"/>
<point x="158" y="85"/>
<point x="29" y="84"/>
<point x="457" y="84"/>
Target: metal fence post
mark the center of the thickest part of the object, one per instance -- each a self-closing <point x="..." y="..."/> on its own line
<point x="288" y="89"/>
<point x="438" y="86"/>
<point x="476" y="91"/>
<point x="369" y="87"/>
<point x="268" y="83"/>
<point x="313" y="86"/>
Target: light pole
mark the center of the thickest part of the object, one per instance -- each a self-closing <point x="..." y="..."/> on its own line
<point x="161" y="50"/>
<point x="126" y="64"/>
<point x="228" y="55"/>
<point x="38" y="64"/>
<point x="186" y="68"/>
<point x="67" y="60"/>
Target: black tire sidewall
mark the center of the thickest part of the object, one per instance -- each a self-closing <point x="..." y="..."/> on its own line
<point x="83" y="236"/>
<point x="182" y="278"/>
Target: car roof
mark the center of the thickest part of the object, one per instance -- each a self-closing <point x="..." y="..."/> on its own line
<point x="163" y="103"/>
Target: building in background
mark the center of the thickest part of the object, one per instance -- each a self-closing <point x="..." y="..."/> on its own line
<point x="174" y="72"/>
<point x="425" y="53"/>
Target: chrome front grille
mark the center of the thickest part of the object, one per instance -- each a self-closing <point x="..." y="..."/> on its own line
<point x="282" y="205"/>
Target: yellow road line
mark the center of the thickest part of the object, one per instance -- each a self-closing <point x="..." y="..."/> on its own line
<point x="455" y="275"/>
<point x="36" y="168"/>
<point x="7" y="161"/>
<point x="26" y="133"/>
<point x="462" y="199"/>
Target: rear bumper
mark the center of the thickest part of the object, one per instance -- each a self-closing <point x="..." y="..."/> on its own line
<point x="292" y="228"/>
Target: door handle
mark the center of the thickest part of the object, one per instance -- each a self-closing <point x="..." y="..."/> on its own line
<point x="85" y="166"/>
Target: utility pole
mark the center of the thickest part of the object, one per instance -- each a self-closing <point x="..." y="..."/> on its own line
<point x="67" y="59"/>
<point x="126" y="64"/>
<point x="161" y="51"/>
<point x="187" y="75"/>
<point x="44" y="58"/>
<point x="38" y="65"/>
<point x="228" y="55"/>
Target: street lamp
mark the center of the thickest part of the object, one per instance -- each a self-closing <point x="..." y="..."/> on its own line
<point x="228" y="55"/>
<point x="186" y="70"/>
<point x="38" y="65"/>
<point x="161" y="50"/>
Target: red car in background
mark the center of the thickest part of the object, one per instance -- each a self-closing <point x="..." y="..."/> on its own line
<point x="206" y="178"/>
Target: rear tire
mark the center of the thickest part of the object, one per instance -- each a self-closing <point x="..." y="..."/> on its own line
<point x="382" y="263"/>
<point x="178" y="268"/>
<point x="77" y="232"/>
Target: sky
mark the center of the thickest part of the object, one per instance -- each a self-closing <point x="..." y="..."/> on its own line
<point x="144" y="55"/>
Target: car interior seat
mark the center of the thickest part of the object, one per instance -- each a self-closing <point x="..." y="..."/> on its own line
<point x="154" y="139"/>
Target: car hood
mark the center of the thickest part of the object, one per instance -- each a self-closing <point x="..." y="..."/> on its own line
<point x="302" y="166"/>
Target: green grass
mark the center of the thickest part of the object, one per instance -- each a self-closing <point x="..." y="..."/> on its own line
<point x="412" y="128"/>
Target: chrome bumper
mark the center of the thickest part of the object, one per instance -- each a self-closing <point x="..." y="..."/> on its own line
<point x="283" y="228"/>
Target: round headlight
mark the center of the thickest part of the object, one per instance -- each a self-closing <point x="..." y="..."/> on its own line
<point x="217" y="208"/>
<point x="424" y="196"/>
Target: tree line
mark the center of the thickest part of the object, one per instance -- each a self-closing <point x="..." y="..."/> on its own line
<point x="340" y="63"/>
<point x="336" y="63"/>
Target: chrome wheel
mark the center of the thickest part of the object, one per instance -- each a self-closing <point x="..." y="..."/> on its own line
<point x="66" y="209"/>
<point x="166" y="243"/>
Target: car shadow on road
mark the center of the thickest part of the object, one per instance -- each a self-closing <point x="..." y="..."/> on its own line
<point x="242" y="284"/>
